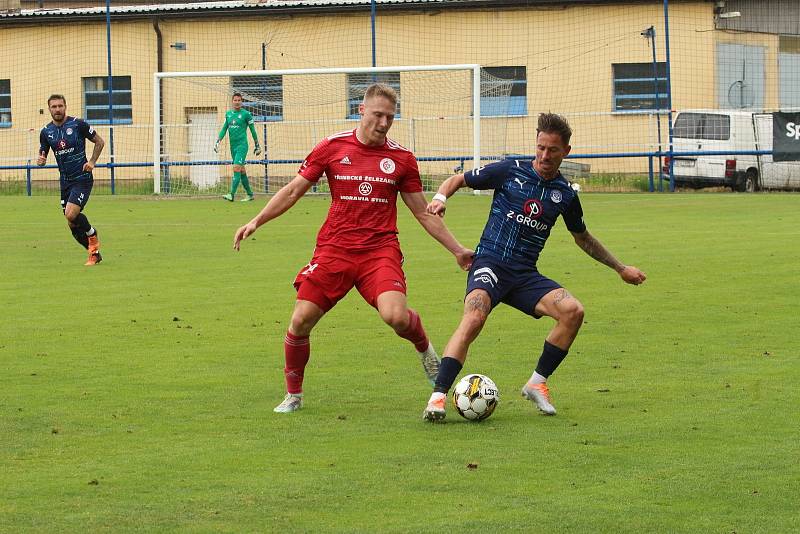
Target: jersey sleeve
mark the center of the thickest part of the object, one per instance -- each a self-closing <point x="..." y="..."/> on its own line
<point x="44" y="146"/>
<point x="489" y="176"/>
<point x="573" y="216"/>
<point x="224" y="129"/>
<point x="86" y="130"/>
<point x="251" y="125"/>
<point x="411" y="182"/>
<point x="314" y="165"/>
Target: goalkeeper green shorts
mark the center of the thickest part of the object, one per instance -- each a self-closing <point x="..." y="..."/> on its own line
<point x="239" y="154"/>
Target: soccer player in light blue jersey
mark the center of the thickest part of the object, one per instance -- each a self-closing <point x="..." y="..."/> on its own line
<point x="528" y="199"/>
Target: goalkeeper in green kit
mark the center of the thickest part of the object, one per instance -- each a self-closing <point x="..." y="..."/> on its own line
<point x="236" y="120"/>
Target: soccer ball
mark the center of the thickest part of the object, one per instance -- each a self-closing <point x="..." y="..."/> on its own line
<point x="475" y="397"/>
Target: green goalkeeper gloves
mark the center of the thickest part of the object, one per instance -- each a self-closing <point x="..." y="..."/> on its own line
<point x="257" y="149"/>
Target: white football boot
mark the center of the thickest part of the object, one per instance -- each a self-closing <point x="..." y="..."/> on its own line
<point x="435" y="410"/>
<point x="539" y="394"/>
<point x="291" y="403"/>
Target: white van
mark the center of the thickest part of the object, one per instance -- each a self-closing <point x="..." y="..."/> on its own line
<point x="728" y="131"/>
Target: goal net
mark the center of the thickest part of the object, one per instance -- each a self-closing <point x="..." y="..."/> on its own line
<point x="438" y="118"/>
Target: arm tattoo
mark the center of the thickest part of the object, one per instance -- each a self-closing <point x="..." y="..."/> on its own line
<point x="596" y="250"/>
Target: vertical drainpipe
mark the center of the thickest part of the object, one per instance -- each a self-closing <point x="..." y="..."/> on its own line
<point x="160" y="68"/>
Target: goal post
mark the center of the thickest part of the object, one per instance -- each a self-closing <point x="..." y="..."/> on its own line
<point x="439" y="117"/>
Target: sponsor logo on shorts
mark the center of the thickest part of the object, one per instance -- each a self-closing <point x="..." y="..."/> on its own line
<point x="485" y="275"/>
<point x="387" y="165"/>
<point x="309" y="268"/>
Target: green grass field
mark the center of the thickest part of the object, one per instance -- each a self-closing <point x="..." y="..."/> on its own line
<point x="137" y="395"/>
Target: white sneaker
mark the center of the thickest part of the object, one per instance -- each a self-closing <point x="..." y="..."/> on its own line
<point x="435" y="410"/>
<point x="539" y="394"/>
<point x="430" y="363"/>
<point x="291" y="403"/>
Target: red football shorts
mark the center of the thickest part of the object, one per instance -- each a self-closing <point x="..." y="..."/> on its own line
<point x="330" y="275"/>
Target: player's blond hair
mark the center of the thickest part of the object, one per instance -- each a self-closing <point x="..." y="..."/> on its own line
<point x="381" y="89"/>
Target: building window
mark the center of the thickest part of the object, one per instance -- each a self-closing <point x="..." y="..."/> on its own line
<point x="741" y="76"/>
<point x="95" y="100"/>
<point x="262" y="96"/>
<point x="504" y="91"/>
<point x="357" y="85"/>
<point x="788" y="72"/>
<point x="5" y="103"/>
<point x="637" y="89"/>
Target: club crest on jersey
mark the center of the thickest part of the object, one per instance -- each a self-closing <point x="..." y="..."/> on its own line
<point x="69" y="131"/>
<point x="532" y="208"/>
<point x="555" y="196"/>
<point x="365" y="188"/>
<point x="387" y="165"/>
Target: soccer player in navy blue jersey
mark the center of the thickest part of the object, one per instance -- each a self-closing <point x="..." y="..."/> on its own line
<point x="528" y="199"/>
<point x="67" y="137"/>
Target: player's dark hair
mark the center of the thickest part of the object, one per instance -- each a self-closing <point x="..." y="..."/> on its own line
<point x="552" y="123"/>
<point x="381" y="89"/>
<point x="237" y="94"/>
<point x="56" y="97"/>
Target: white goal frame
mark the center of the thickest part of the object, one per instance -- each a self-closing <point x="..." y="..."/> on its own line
<point x="158" y="76"/>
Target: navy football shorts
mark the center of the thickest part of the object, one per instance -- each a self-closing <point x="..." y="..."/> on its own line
<point x="520" y="287"/>
<point x="76" y="191"/>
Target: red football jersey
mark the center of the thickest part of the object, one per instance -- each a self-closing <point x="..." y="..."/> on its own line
<point x="364" y="181"/>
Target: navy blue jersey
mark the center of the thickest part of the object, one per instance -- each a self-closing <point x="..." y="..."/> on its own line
<point x="524" y="210"/>
<point x="68" y="142"/>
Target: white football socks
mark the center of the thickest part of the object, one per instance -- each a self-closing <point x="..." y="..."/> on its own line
<point x="436" y="395"/>
<point x="536" y="378"/>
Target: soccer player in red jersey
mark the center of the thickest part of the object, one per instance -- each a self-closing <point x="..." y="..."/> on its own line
<point x="357" y="245"/>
